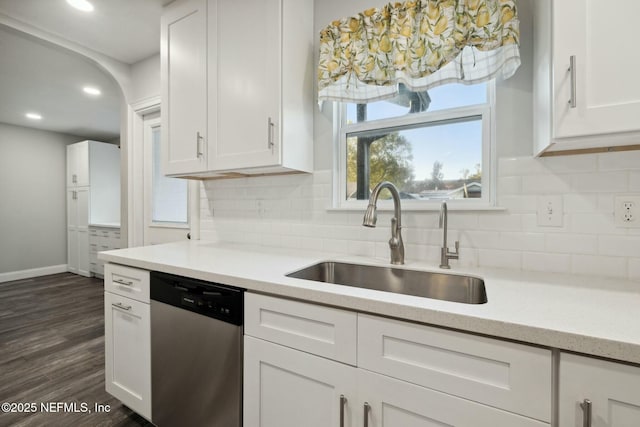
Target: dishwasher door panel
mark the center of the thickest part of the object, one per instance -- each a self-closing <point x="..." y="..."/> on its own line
<point x="196" y="369"/>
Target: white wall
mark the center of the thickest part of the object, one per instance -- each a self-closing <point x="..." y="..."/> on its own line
<point x="145" y="79"/>
<point x="32" y="198"/>
<point x="290" y="211"/>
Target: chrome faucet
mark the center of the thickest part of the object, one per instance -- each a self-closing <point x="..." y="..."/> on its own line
<point x="395" y="243"/>
<point x="445" y="255"/>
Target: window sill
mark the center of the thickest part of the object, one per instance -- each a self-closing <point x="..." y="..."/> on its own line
<point x="423" y="208"/>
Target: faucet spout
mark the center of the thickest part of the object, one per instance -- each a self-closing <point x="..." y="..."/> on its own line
<point x="445" y="254"/>
<point x="396" y="245"/>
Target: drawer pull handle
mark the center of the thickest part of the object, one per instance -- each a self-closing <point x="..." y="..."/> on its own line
<point x="343" y="401"/>
<point x="586" y="413"/>
<point x="367" y="408"/>
<point x="270" y="126"/>
<point x="572" y="74"/>
<point x="123" y="282"/>
<point x="121" y="306"/>
<point x="199" y="140"/>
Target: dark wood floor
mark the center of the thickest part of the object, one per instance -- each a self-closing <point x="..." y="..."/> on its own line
<point x="52" y="350"/>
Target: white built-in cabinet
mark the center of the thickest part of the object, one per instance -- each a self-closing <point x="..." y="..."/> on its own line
<point x="78" y="230"/>
<point x="586" y="92"/>
<point x="128" y="337"/>
<point x="607" y="393"/>
<point x="237" y="87"/>
<point x="93" y="197"/>
<point x="102" y="239"/>
<point x="392" y="373"/>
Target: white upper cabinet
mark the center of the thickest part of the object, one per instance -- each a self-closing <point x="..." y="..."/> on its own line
<point x="237" y="83"/>
<point x="184" y="87"/>
<point x="586" y="89"/>
<point x="78" y="164"/>
<point x="247" y="106"/>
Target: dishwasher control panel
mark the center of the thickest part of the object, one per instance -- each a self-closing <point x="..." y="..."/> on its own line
<point x="209" y="299"/>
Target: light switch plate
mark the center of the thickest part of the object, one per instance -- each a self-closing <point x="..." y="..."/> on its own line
<point x="627" y="210"/>
<point x="550" y="211"/>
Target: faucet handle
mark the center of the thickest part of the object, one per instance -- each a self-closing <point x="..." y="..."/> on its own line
<point x="457" y="246"/>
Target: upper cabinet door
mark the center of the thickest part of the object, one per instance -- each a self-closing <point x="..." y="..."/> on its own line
<point x="601" y="36"/>
<point x="247" y="106"/>
<point x="184" y="95"/>
<point x="78" y="164"/>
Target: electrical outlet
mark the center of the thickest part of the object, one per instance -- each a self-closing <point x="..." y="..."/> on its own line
<point x="550" y="211"/>
<point x="627" y="210"/>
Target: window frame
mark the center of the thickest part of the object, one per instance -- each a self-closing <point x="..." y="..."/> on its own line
<point x="489" y="166"/>
<point x="148" y="129"/>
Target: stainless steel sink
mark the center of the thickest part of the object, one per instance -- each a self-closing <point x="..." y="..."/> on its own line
<point x="449" y="287"/>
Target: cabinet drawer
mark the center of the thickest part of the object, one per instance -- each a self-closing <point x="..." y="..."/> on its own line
<point x="114" y="243"/>
<point x="502" y="374"/>
<point x="324" y="331"/>
<point x="127" y="281"/>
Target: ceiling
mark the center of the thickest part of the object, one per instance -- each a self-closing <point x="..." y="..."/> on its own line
<point x="39" y="76"/>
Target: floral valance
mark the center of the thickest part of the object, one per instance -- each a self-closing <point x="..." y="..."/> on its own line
<point x="421" y="44"/>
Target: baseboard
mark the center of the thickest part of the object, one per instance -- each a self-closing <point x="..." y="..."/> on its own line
<point x="34" y="272"/>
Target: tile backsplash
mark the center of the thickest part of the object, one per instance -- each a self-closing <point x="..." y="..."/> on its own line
<point x="291" y="211"/>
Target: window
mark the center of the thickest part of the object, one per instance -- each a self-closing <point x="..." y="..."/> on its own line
<point x="169" y="195"/>
<point x="433" y="146"/>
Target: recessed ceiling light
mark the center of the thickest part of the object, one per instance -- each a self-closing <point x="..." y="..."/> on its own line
<point x="82" y="5"/>
<point x="91" y="90"/>
<point x="33" y="116"/>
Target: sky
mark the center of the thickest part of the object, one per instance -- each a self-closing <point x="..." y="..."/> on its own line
<point x="458" y="146"/>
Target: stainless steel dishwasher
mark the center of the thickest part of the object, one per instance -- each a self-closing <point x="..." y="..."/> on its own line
<point x="196" y="352"/>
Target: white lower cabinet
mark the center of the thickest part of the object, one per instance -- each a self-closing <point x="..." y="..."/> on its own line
<point x="388" y="402"/>
<point x="127" y="345"/>
<point x="406" y="374"/>
<point x="612" y="389"/>
<point x="101" y="239"/>
<point x="289" y="388"/>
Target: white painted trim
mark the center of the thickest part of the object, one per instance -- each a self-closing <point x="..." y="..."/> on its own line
<point x="135" y="152"/>
<point x="33" y="272"/>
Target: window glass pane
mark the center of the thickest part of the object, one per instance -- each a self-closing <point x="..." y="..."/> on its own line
<point x="441" y="160"/>
<point x="438" y="98"/>
<point x="169" y="195"/>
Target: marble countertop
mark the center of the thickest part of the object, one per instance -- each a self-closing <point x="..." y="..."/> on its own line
<point x="590" y="315"/>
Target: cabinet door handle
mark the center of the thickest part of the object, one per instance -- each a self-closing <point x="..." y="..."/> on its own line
<point x="586" y="413"/>
<point x="121" y="306"/>
<point x="271" y="125"/>
<point x="123" y="282"/>
<point x="367" y="409"/>
<point x="343" y="401"/>
<point x="572" y="74"/>
<point x="74" y="178"/>
<point x="199" y="140"/>
<point x="75" y="195"/>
